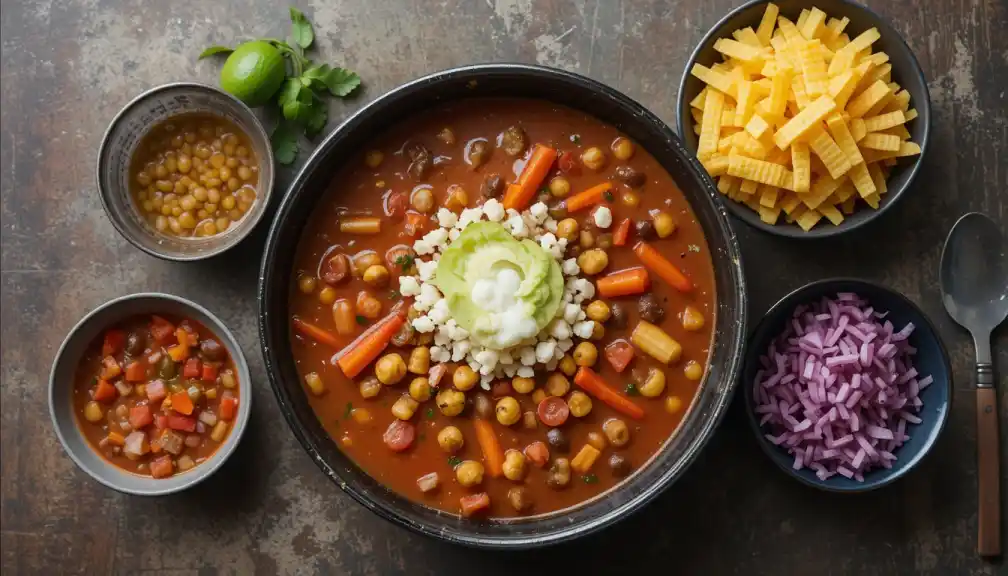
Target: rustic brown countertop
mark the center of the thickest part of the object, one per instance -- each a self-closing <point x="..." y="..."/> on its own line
<point x="68" y="67"/>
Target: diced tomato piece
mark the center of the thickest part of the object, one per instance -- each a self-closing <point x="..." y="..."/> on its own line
<point x="115" y="341"/>
<point x="160" y="421"/>
<point x="538" y="453"/>
<point x="473" y="503"/>
<point x="162" y="331"/>
<point x="228" y="407"/>
<point x="568" y="164"/>
<point x="140" y="416"/>
<point x="182" y="403"/>
<point x="162" y="467"/>
<point x="619" y="353"/>
<point x="209" y="372"/>
<point x="177" y="421"/>
<point x="156" y="390"/>
<point x="110" y="368"/>
<point x="192" y="368"/>
<point x="105" y="391"/>
<point x="136" y="371"/>
<point x="416" y="224"/>
<point x="396" y="204"/>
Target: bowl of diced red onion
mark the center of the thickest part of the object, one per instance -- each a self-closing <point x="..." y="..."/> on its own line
<point x="847" y="384"/>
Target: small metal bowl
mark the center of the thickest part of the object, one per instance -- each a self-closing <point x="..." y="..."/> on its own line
<point x="905" y="70"/>
<point x="931" y="359"/>
<point x="64" y="369"/>
<point x="120" y="142"/>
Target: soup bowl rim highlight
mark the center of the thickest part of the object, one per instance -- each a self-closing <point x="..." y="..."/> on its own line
<point x="538" y="83"/>
<point x="67" y="424"/>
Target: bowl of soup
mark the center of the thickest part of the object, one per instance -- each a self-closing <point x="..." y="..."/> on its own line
<point x="502" y="307"/>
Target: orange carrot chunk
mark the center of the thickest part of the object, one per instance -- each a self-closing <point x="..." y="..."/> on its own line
<point x="105" y="391"/>
<point x="622" y="233"/>
<point x="520" y="194"/>
<point x="314" y="332"/>
<point x="355" y="357"/>
<point x="592" y="383"/>
<point x="661" y="266"/>
<point x="624" y="283"/>
<point x="492" y="453"/>
<point x="182" y="403"/>
<point x="591" y="197"/>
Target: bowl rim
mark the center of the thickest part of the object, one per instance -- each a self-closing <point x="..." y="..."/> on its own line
<point x="760" y="333"/>
<point x="788" y="230"/>
<point x="219" y="456"/>
<point x="648" y="493"/>
<point x="104" y="194"/>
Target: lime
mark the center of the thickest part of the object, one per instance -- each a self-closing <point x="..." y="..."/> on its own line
<point x="253" y="72"/>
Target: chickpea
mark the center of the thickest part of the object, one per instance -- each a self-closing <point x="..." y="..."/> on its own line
<point x="370" y="387"/>
<point x="559" y="187"/>
<point x="567" y="365"/>
<point x="522" y="385"/>
<point x="93" y="412"/>
<point x="692" y="319"/>
<point x="593" y="261"/>
<point x="314" y="382"/>
<point x="377" y="276"/>
<point x="450" y="402"/>
<point x="693" y="370"/>
<point x="364" y="260"/>
<point x="557" y="384"/>
<point x="598" y="311"/>
<point x="306" y="284"/>
<point x="664" y="225"/>
<point x="580" y="404"/>
<point x="419" y="360"/>
<point x="508" y="411"/>
<point x="673" y="404"/>
<point x="559" y="473"/>
<point x="596" y="440"/>
<point x="514" y="465"/>
<point x="586" y="239"/>
<point x="327" y="296"/>
<point x="616" y="431"/>
<point x="405" y="407"/>
<point x="568" y="228"/>
<point x="464" y="378"/>
<point x="143" y="179"/>
<point x="598" y="331"/>
<point x="653" y="385"/>
<point x="450" y="439"/>
<point x="622" y="148"/>
<point x="518" y="499"/>
<point x="529" y="420"/>
<point x="422" y="200"/>
<point x="585" y="354"/>
<point x="420" y="389"/>
<point x="538" y="396"/>
<point x="390" y="369"/>
<point x="244" y="173"/>
<point x="469" y="473"/>
<point x="457" y="198"/>
<point x="593" y="158"/>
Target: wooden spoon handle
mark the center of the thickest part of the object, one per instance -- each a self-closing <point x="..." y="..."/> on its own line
<point x="988" y="473"/>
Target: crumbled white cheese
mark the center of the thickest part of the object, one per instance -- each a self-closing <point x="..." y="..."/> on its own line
<point x="603" y="217"/>
<point x="408" y="286"/>
<point x="426" y="269"/>
<point x="544" y="351"/>
<point x="570" y="267"/>
<point x="584" y="329"/>
<point x="526" y="372"/>
<point x="423" y="324"/>
<point x="446" y="218"/>
<point x="494" y="210"/>
<point x="539" y="212"/>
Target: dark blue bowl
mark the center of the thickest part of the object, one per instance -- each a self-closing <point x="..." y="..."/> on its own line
<point x="931" y="358"/>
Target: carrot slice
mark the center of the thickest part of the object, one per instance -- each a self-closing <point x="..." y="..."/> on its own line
<point x="624" y="283"/>
<point x="492" y="452"/>
<point x="520" y="194"/>
<point x="355" y="357"/>
<point x="661" y="266"/>
<point x="314" y="332"/>
<point x="116" y="438"/>
<point x="622" y="233"/>
<point x="182" y="403"/>
<point x="136" y="371"/>
<point x="228" y="407"/>
<point x="590" y="197"/>
<point x="590" y="382"/>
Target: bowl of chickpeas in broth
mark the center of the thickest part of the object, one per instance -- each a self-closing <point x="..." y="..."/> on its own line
<point x="185" y="171"/>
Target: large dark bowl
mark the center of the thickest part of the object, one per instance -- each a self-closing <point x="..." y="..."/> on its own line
<point x="906" y="71"/>
<point x="503" y="80"/>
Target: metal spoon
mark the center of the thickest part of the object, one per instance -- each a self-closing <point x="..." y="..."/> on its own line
<point x="974" y="285"/>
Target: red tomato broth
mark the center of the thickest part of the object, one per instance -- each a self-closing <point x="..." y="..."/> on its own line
<point x="363" y="190"/>
<point x="143" y="358"/>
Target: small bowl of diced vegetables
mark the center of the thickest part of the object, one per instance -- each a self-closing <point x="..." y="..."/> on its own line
<point x="847" y="384"/>
<point x="149" y="394"/>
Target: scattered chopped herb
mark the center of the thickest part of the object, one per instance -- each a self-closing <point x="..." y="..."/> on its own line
<point x="404" y="261"/>
<point x="394" y="294"/>
<point x="430" y="413"/>
<point x="94" y="380"/>
<point x="608" y="196"/>
<point x="693" y="248"/>
<point x="454" y="461"/>
<point x="631" y="390"/>
<point x="575" y="138"/>
<point x="348" y="410"/>
<point x="361" y="320"/>
<point x="589" y="479"/>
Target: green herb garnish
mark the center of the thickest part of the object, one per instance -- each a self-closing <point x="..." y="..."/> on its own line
<point x="362" y="320"/>
<point x="454" y="461"/>
<point x="430" y="413"/>
<point x="589" y="479"/>
<point x="394" y="294"/>
<point x="631" y="390"/>
<point x="608" y="196"/>
<point x="295" y="84"/>
<point x="575" y="138"/>
<point x="348" y="410"/>
<point x="404" y="261"/>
